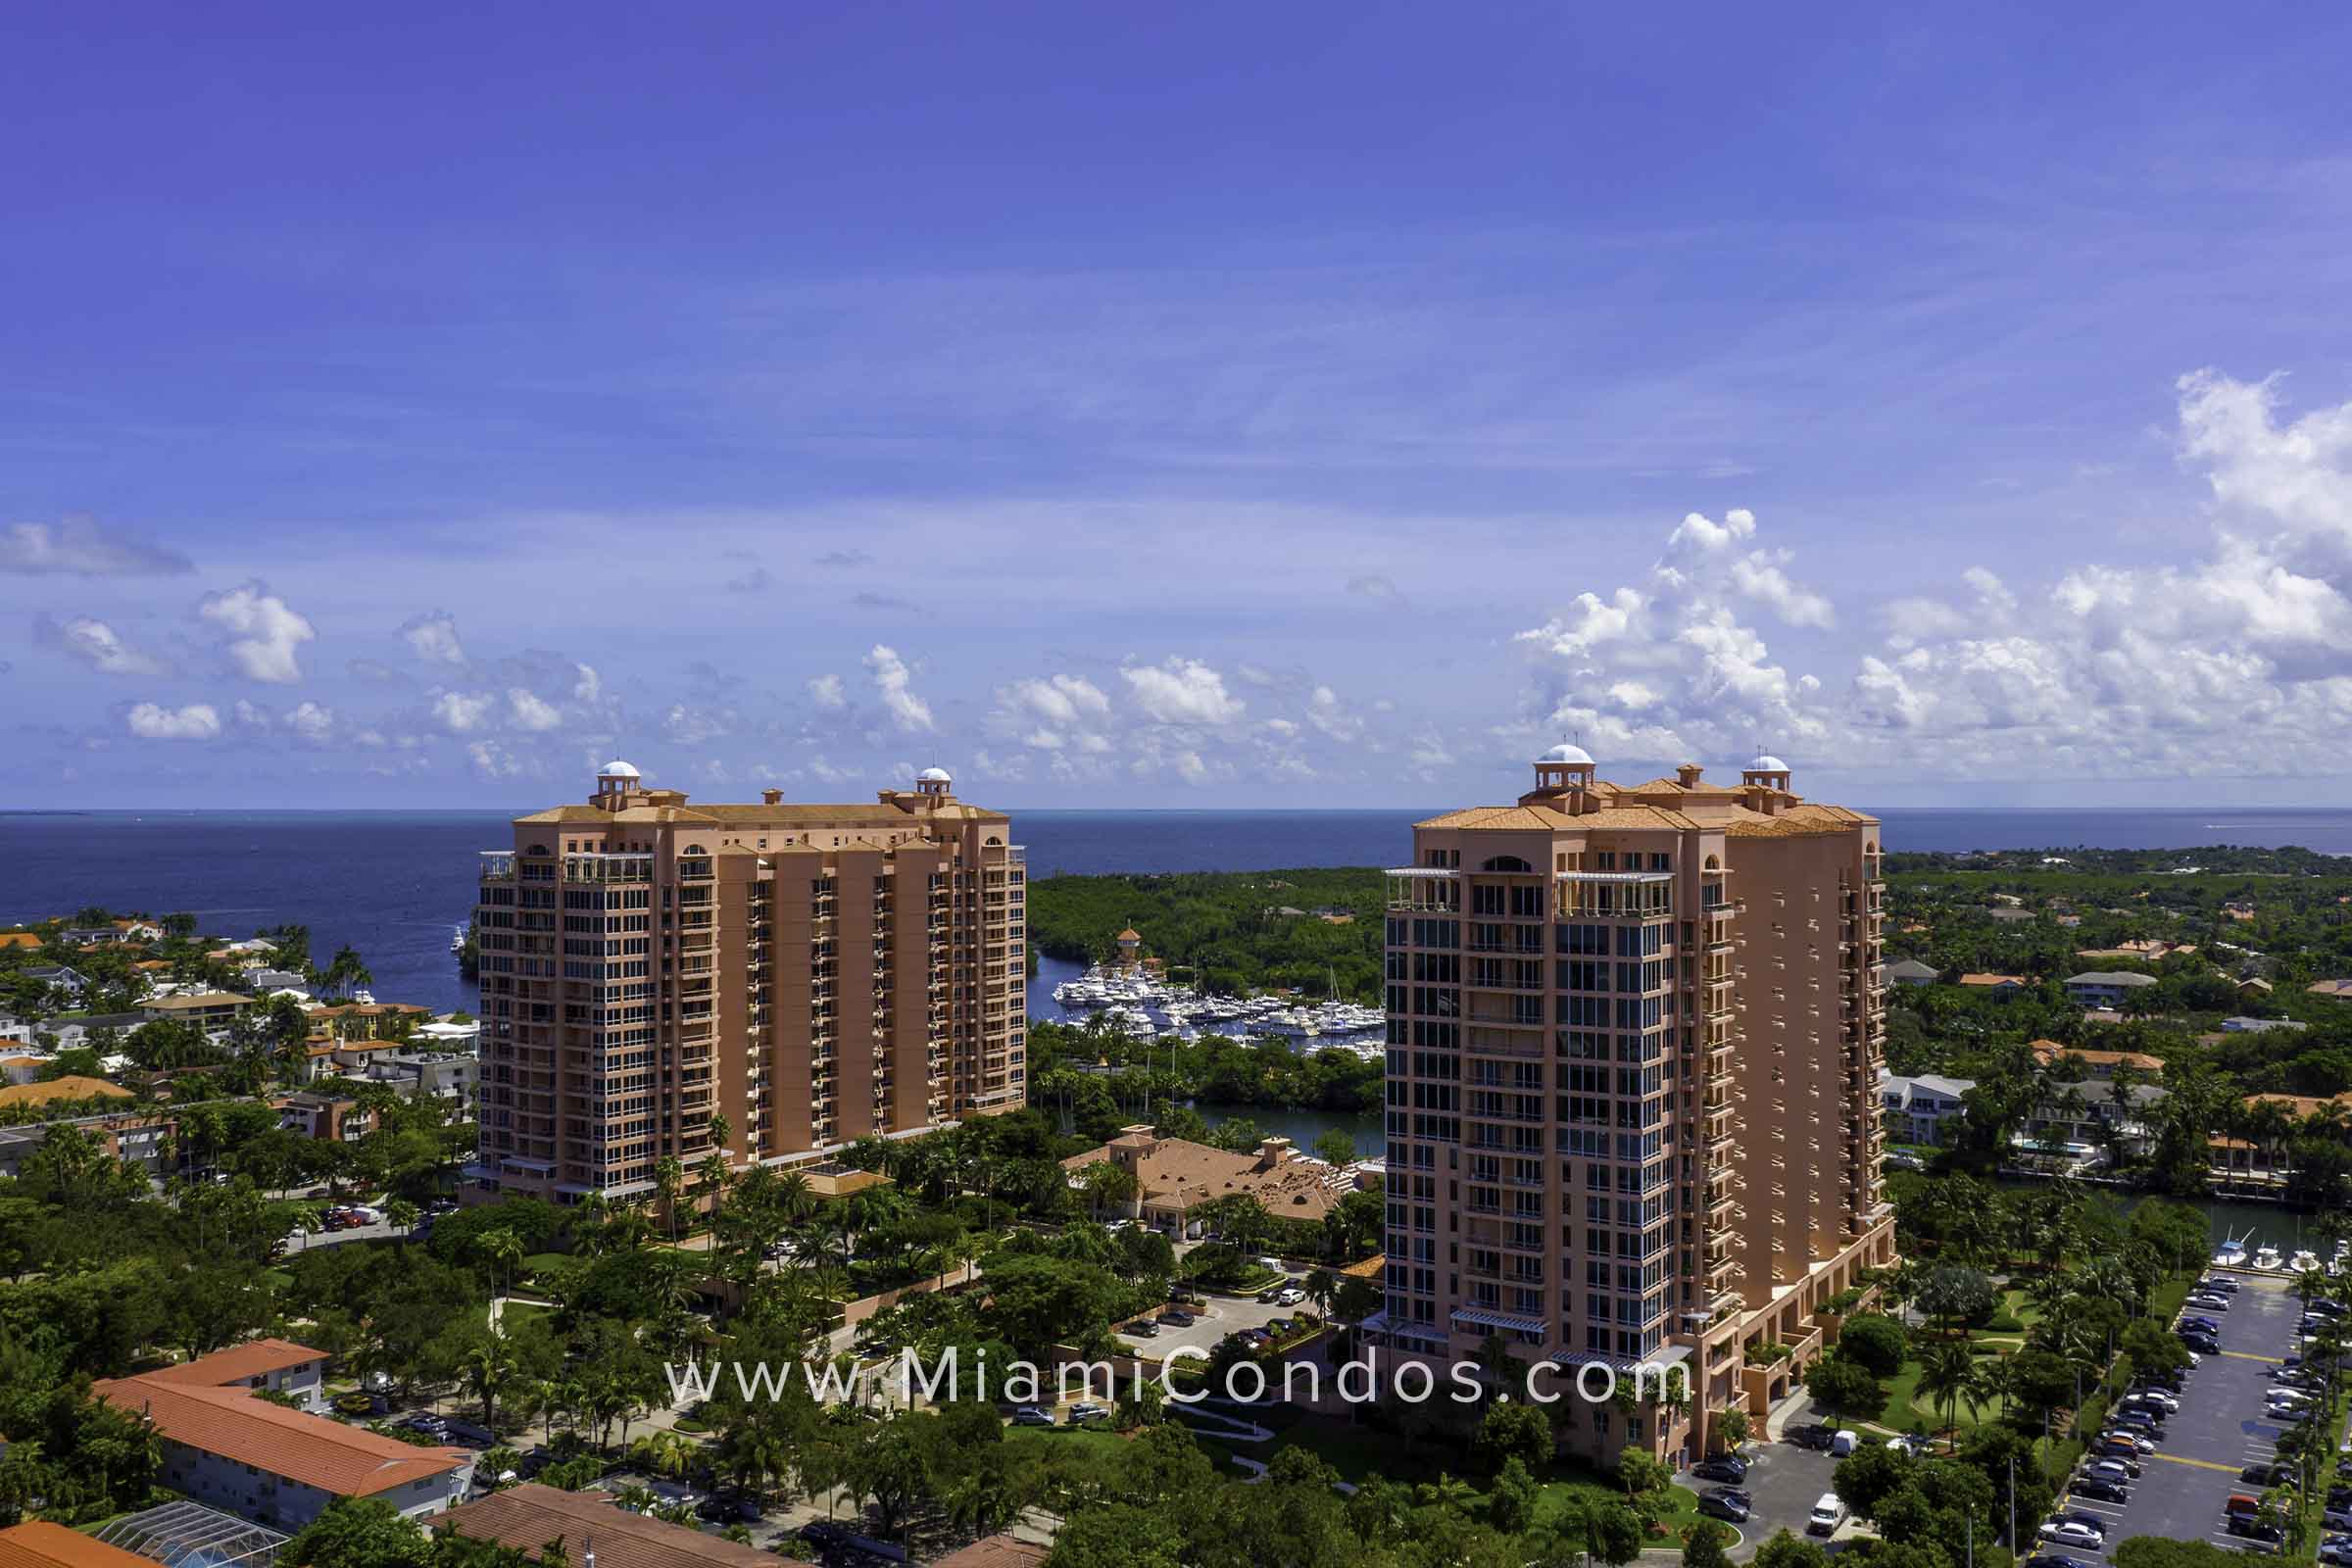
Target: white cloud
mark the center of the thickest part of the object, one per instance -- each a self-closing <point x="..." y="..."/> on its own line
<point x="83" y="547"/>
<point x="826" y="691"/>
<point x="492" y="761"/>
<point x="529" y="710"/>
<point x="892" y="679"/>
<point x="433" y="638"/>
<point x="97" y="645"/>
<point x="1182" y="691"/>
<point x="461" y="713"/>
<point x="1325" y="712"/>
<point x="252" y="715"/>
<point x="689" y="727"/>
<point x="265" y="633"/>
<point x="197" y="721"/>
<point x="1058" y="699"/>
<point x="312" y="722"/>
<point x="1669" y="669"/>
<point x="587" y="686"/>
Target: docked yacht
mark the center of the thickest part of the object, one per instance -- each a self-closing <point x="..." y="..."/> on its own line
<point x="2266" y="1257"/>
<point x="2304" y="1262"/>
<point x="2232" y="1253"/>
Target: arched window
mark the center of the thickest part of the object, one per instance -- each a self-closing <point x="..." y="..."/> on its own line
<point x="1714" y="863"/>
<point x="1507" y="862"/>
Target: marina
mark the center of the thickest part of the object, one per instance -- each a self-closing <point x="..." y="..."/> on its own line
<point x="1142" y="1005"/>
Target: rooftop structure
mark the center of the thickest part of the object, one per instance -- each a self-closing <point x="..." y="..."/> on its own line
<point x="812" y="973"/>
<point x="189" y="1534"/>
<point x="39" y="1543"/>
<point x="1176" y="1176"/>
<point x="56" y="1090"/>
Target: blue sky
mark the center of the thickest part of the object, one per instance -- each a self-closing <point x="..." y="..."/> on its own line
<point x="1240" y="405"/>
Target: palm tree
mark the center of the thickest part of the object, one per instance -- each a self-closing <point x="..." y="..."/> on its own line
<point x="670" y="1179"/>
<point x="489" y="1369"/>
<point x="402" y="1214"/>
<point x="502" y="1248"/>
<point x="1944" y="1375"/>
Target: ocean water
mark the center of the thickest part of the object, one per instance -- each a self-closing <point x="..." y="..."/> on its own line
<point x="393" y="884"/>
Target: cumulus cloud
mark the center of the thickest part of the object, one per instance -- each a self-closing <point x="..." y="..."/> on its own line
<point x="894" y="682"/>
<point x="492" y="761"/>
<point x="197" y="721"/>
<point x="827" y="692"/>
<point x="586" y="685"/>
<point x="1325" y="712"/>
<point x="757" y="581"/>
<point x="690" y="726"/>
<point x="84" y="547"/>
<point x="433" y="638"/>
<point x="1673" y="667"/>
<point x="95" y="644"/>
<point x="462" y="712"/>
<point x="2240" y="661"/>
<point x="265" y="633"/>
<point x="529" y="710"/>
<point x="1182" y="691"/>
<point x="1058" y="699"/>
<point x="312" y="722"/>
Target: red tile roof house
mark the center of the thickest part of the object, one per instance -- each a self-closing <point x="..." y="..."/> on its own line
<point x="228" y="1449"/>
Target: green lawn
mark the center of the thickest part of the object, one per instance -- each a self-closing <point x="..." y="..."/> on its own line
<point x="1103" y="1442"/>
<point x="1905" y="1409"/>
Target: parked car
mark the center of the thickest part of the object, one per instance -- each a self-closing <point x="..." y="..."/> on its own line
<point x="1723" y="1467"/>
<point x="2114" y="1469"/>
<point x="1289" y="1297"/>
<point x="468" y="1435"/>
<point x="1807" y="1435"/>
<point x="1143" y="1328"/>
<point x="2074" y="1533"/>
<point x="1080" y="1415"/>
<point x="1030" y="1415"/>
<point x="2132" y="1441"/>
<point x="1827" y="1515"/>
<point x="2102" y="1490"/>
<point x="1271" y="1295"/>
<point x="2202" y="1344"/>
<point x="2336" y="1518"/>
<point x="2057" y="1559"/>
<point x="1176" y="1319"/>
<point x="1843" y="1442"/>
<point x="2267" y="1475"/>
<point x="1718" y="1507"/>
<point x="2157" y="1398"/>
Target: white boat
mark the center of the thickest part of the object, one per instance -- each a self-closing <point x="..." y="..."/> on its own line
<point x="2266" y="1257"/>
<point x="2232" y="1253"/>
<point x="2304" y="1262"/>
<point x="457" y="940"/>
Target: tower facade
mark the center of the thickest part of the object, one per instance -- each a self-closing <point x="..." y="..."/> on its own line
<point x="1633" y="1041"/>
<point x="813" y="974"/>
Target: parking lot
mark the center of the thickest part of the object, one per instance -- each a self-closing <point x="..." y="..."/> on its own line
<point x="1783" y="1482"/>
<point x="2220" y="1429"/>
<point x="1222" y="1315"/>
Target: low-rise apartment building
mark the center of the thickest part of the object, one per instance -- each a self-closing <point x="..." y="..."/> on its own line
<point x="1174" y="1177"/>
<point x="227" y="1449"/>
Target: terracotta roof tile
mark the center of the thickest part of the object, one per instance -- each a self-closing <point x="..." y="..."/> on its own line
<point x="994" y="1551"/>
<point x="39" y="1543"/>
<point x="529" y="1516"/>
<point x="67" y="1088"/>
<point x="238" y="1362"/>
<point x="310" y="1448"/>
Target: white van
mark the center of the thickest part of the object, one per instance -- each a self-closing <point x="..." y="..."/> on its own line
<point x="1827" y="1514"/>
<point x="1842" y="1444"/>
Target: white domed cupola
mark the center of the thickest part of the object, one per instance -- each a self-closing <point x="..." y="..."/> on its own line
<point x="617" y="779"/>
<point x="1766" y="770"/>
<point x="936" y="782"/>
<point x="1564" y="768"/>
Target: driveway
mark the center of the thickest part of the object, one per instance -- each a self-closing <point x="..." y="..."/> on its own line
<point x="1783" y="1483"/>
<point x="2220" y="1429"/>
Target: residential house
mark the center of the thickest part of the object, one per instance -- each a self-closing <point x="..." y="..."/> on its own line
<point x="2256" y="1026"/>
<point x="1911" y="972"/>
<point x="21" y="1066"/>
<point x="21" y="941"/>
<point x="226" y="1448"/>
<point x="2001" y="986"/>
<point x="2095" y="1064"/>
<point x="1917" y="1108"/>
<point x="2007" y="916"/>
<point x="2146" y="950"/>
<point x="2105" y="987"/>
<point x="73" y="1034"/>
<point x="529" y="1517"/>
<point x="315" y="1114"/>
<point x="1175" y="1176"/>
<point x="90" y="936"/>
<point x="267" y="981"/>
<point x="1000" y="1550"/>
<point x="2334" y="989"/>
<point x="58" y="977"/>
<point x="416" y="1074"/>
<point x="2076" y="1120"/>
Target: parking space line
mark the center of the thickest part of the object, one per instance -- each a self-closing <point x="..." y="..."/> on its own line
<point x="2201" y="1464"/>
